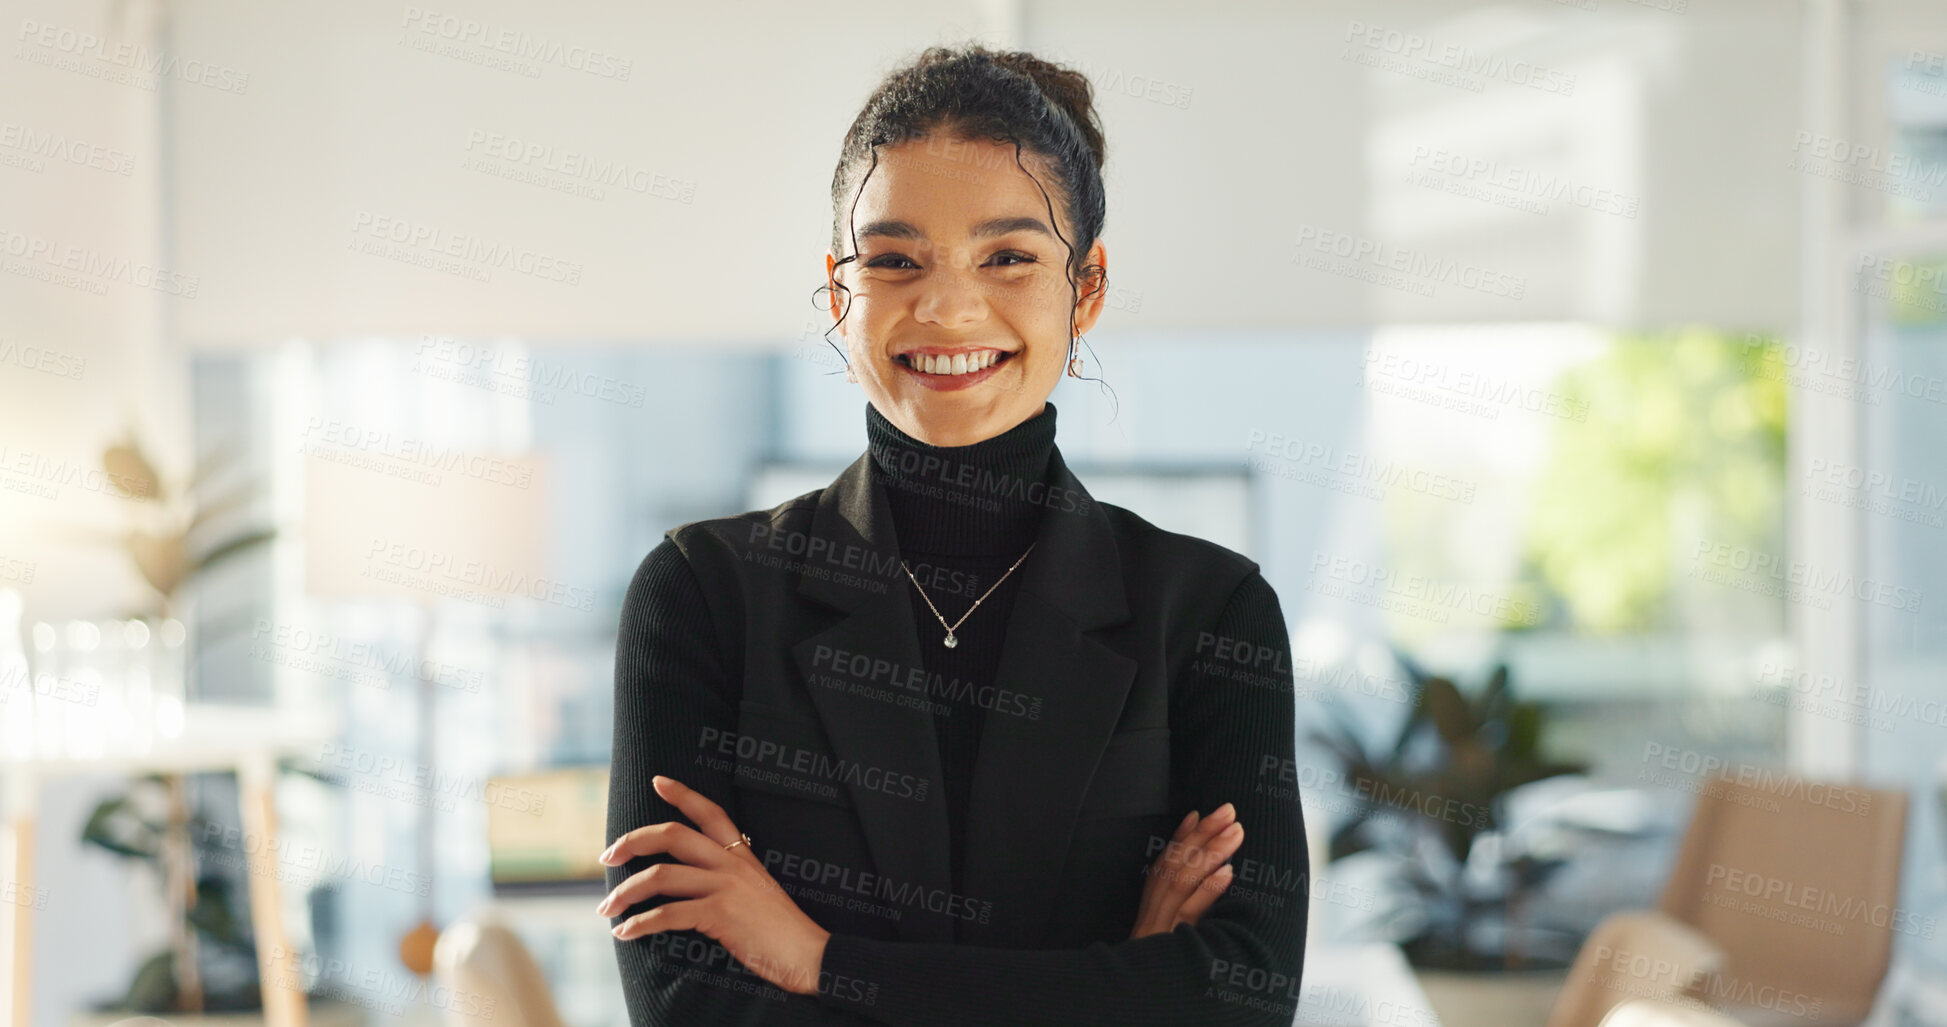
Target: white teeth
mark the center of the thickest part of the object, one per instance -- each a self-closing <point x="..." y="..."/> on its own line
<point x="958" y="363"/>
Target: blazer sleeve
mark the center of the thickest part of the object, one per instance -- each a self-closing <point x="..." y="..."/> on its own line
<point x="671" y="685"/>
<point x="1232" y="722"/>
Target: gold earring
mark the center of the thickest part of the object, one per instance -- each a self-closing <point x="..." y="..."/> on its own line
<point x="1074" y="363"/>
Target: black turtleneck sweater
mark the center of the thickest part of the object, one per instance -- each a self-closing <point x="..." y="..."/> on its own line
<point x="672" y="683"/>
<point x="958" y="543"/>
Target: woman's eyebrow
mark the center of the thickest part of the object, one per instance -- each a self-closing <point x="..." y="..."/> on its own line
<point x="893" y="228"/>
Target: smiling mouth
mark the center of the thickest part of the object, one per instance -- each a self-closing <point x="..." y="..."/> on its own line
<point x="954" y="363"/>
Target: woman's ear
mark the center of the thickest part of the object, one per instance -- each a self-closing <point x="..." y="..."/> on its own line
<point x="832" y="291"/>
<point x="1094" y="288"/>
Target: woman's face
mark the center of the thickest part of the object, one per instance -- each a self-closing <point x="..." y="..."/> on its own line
<point x="960" y="308"/>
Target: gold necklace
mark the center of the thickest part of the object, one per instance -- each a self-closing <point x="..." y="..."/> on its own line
<point x="951" y="639"/>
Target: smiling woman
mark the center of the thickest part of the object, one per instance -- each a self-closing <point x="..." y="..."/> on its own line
<point x="948" y="741"/>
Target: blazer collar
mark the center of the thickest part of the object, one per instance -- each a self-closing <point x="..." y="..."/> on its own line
<point x="1059" y="695"/>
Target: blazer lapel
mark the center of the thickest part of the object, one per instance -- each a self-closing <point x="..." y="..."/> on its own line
<point x="909" y="839"/>
<point x="1032" y="772"/>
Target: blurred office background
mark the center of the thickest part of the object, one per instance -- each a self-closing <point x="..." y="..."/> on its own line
<point x="1576" y="371"/>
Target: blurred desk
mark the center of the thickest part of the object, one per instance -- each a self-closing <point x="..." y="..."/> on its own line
<point x="245" y="739"/>
<point x="1512" y="998"/>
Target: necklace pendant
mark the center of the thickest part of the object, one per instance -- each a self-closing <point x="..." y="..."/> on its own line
<point x="951" y="641"/>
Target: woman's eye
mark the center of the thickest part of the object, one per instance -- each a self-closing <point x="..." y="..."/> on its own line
<point x="1019" y="258"/>
<point x="892" y="262"/>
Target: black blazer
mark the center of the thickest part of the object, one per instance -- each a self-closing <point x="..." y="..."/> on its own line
<point x="837" y="769"/>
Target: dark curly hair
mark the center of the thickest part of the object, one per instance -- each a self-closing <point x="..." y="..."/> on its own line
<point x="1007" y="96"/>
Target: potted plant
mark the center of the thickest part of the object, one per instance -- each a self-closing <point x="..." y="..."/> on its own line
<point x="1431" y="800"/>
<point x="176" y="536"/>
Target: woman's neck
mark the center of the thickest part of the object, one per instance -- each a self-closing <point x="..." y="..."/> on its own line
<point x="973" y="500"/>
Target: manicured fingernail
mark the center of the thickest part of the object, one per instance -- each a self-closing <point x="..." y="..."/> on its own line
<point x="1231" y="833"/>
<point x="607" y="904"/>
<point x="618" y="929"/>
<point x="1223" y="872"/>
<point x="1188" y="818"/>
<point x="607" y="854"/>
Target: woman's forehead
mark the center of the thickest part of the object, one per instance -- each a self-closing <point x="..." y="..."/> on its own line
<point x="912" y="200"/>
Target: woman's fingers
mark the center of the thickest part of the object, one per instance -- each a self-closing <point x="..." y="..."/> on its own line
<point x="1206" y="893"/>
<point x="708" y="817"/>
<point x="1174" y="892"/>
<point x="678" y="839"/>
<point x="1192" y="864"/>
<point x="1152" y="892"/>
<point x="660" y="879"/>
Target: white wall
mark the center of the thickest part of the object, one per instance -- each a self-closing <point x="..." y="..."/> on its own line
<point x="1690" y="114"/>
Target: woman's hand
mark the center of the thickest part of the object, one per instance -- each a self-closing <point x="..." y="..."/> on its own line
<point x="1190" y="872"/>
<point x="729" y="896"/>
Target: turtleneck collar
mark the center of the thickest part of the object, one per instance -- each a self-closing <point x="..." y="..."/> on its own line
<point x="968" y="500"/>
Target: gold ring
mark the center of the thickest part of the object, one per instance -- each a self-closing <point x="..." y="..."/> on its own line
<point x="742" y="839"/>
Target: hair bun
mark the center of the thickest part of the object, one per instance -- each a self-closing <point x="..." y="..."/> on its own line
<point x="1066" y="88"/>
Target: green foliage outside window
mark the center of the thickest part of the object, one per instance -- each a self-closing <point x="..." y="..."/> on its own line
<point x="1684" y="440"/>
